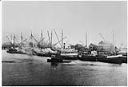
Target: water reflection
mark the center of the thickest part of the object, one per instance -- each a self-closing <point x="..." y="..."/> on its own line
<point x="54" y="64"/>
<point x="36" y="71"/>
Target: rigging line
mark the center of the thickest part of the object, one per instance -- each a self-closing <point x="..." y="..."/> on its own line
<point x="57" y="37"/>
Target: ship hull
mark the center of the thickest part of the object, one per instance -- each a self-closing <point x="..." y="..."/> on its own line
<point x="14" y="51"/>
<point x="88" y="58"/>
<point x="117" y="60"/>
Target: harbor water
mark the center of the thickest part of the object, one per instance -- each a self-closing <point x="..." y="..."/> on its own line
<point x="27" y="70"/>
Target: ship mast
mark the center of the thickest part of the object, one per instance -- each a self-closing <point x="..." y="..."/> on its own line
<point x="31" y="36"/>
<point x="41" y="35"/>
<point x="21" y="37"/>
<point x="58" y="38"/>
<point x="32" y="39"/>
<point x="113" y="39"/>
<point x="51" y="38"/>
<point x="21" y="42"/>
<point x="41" y="38"/>
<point x="48" y="36"/>
<point x="11" y="39"/>
<point x="14" y="39"/>
<point x="86" y="39"/>
<point x="62" y="40"/>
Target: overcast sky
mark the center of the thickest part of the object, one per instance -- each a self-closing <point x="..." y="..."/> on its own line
<point x="74" y="18"/>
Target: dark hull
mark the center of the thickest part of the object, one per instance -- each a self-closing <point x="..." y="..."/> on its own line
<point x="124" y="59"/>
<point x="88" y="58"/>
<point x="111" y="60"/>
<point x="15" y="52"/>
<point x="117" y="60"/>
<point x="44" y="54"/>
<point x="54" y="60"/>
<point x="69" y="58"/>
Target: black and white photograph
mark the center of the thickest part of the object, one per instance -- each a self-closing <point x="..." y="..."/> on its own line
<point x="64" y="43"/>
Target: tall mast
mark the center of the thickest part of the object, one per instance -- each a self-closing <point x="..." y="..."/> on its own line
<point x="51" y="38"/>
<point x="21" y="37"/>
<point x="11" y="39"/>
<point x="41" y="35"/>
<point x="48" y="35"/>
<point x="31" y="36"/>
<point x="14" y="39"/>
<point x="31" y="39"/>
<point x="113" y="38"/>
<point x="62" y="38"/>
<point x="58" y="38"/>
<point x="86" y="39"/>
<point x="41" y="38"/>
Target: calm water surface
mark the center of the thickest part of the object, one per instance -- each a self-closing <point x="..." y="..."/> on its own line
<point x="27" y="70"/>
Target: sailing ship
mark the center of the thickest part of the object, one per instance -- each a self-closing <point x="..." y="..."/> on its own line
<point x="15" y="48"/>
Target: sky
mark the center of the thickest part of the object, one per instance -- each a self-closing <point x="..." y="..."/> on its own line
<point x="75" y="18"/>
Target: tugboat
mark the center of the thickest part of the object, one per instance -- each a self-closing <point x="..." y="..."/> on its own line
<point x="54" y="58"/>
<point x="85" y="56"/>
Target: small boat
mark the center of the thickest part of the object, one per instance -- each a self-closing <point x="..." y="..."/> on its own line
<point x="55" y="59"/>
